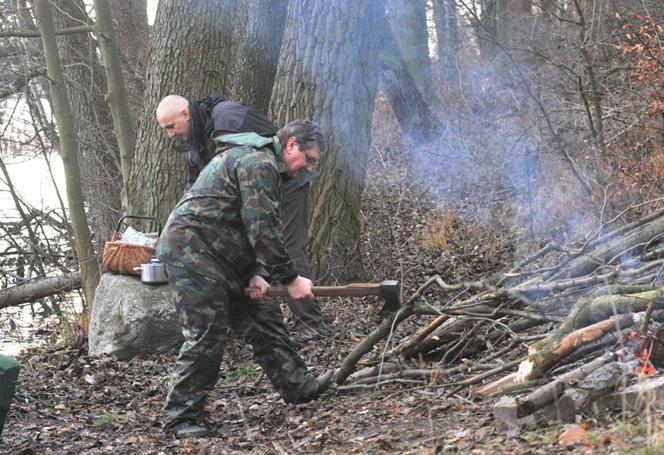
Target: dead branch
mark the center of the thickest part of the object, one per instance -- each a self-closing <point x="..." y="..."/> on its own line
<point x="39" y="288"/>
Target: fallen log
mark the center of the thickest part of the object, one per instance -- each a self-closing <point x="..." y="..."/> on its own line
<point x="38" y="288"/>
<point x="551" y="391"/>
<point x="597" y="384"/>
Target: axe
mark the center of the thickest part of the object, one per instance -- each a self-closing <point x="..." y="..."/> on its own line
<point x="389" y="290"/>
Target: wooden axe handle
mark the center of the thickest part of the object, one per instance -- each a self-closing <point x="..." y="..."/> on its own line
<point x="349" y="290"/>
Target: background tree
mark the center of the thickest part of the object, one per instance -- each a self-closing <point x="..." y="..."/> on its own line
<point x="257" y="53"/>
<point x="131" y="34"/>
<point x="64" y="117"/>
<point x="189" y="55"/>
<point x="98" y="152"/>
<point x="327" y="73"/>
<point x="411" y="110"/>
<point x="445" y="17"/>
<point x="409" y="24"/>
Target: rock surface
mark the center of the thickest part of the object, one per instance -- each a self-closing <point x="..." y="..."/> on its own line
<point x="130" y="318"/>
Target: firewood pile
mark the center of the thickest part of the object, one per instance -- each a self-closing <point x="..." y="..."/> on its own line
<point x="549" y="340"/>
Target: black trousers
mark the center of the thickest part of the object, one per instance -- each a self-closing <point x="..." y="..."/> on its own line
<point x="295" y="216"/>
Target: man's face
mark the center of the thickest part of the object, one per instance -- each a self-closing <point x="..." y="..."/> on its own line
<point x="298" y="160"/>
<point x="176" y="123"/>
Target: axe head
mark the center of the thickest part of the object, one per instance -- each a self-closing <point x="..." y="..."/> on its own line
<point x="390" y="291"/>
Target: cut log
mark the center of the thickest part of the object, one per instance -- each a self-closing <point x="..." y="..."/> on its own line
<point x="597" y="384"/>
<point x="550" y="392"/>
<point x="505" y="416"/>
<point x="39" y="288"/>
<point x="645" y="394"/>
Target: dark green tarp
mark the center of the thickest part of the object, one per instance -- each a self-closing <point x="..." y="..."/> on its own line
<point x="8" y="375"/>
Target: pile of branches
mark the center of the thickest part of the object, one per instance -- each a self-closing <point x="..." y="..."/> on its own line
<point x="592" y="315"/>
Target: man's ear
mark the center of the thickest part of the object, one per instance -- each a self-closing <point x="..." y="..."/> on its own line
<point x="185" y="113"/>
<point x="291" y="143"/>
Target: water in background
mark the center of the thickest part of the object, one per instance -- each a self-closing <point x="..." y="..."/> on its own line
<point x="33" y="184"/>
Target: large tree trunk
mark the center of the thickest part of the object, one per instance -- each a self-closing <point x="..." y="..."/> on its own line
<point x="97" y="148"/>
<point x="327" y="73"/>
<point x="258" y="52"/>
<point x="409" y="24"/>
<point x="131" y="35"/>
<point x="189" y="52"/>
<point x="64" y="118"/>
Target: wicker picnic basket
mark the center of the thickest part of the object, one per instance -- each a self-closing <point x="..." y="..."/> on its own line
<point x="124" y="257"/>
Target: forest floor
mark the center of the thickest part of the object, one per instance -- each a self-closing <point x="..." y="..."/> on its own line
<point x="70" y="403"/>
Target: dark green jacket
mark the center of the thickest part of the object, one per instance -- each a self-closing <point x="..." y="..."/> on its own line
<point x="228" y="226"/>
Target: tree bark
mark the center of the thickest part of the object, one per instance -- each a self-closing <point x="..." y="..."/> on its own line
<point x="550" y="392"/>
<point x="117" y="94"/>
<point x="410" y="109"/>
<point x="188" y="56"/>
<point x="99" y="162"/>
<point x="39" y="288"/>
<point x="326" y="73"/>
<point x="62" y="110"/>
<point x="600" y="382"/>
<point x="257" y="53"/>
<point x="409" y="24"/>
<point x="131" y="33"/>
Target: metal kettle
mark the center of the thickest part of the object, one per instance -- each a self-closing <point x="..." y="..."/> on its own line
<point x="153" y="272"/>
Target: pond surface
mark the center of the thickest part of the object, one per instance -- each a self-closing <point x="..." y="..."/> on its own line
<point x="19" y="326"/>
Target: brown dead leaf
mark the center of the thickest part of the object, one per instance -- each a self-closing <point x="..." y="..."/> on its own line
<point x="572" y="435"/>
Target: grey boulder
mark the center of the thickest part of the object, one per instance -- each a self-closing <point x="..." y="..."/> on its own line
<point x="130" y="318"/>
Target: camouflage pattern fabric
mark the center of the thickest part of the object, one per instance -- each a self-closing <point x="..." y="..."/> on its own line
<point x="228" y="225"/>
<point x="208" y="312"/>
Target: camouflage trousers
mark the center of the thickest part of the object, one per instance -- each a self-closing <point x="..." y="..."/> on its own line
<point x="208" y="312"/>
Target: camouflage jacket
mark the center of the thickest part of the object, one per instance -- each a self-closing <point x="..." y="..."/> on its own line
<point x="228" y="225"/>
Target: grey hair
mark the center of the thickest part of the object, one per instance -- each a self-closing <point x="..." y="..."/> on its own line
<point x="307" y="133"/>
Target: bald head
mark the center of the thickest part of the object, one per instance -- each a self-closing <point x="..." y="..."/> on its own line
<point x="173" y="116"/>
